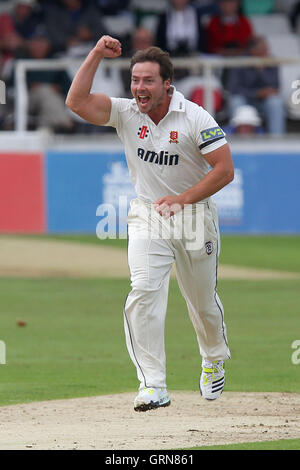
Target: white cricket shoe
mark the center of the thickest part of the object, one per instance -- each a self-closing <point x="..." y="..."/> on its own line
<point x="150" y="398"/>
<point x="212" y="379"/>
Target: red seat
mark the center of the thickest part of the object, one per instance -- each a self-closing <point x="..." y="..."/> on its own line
<point x="198" y="97"/>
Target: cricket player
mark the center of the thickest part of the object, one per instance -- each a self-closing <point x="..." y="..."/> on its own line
<point x="177" y="157"/>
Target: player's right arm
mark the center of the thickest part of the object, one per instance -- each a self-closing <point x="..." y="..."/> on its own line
<point x="92" y="107"/>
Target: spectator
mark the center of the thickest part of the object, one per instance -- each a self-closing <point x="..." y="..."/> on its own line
<point x="295" y="17"/>
<point x="245" y="121"/>
<point x="9" y="40"/>
<point x="18" y="27"/>
<point x="141" y="39"/>
<point x="27" y="17"/>
<point x="179" y="29"/>
<point x="206" y="7"/>
<point x="71" y="22"/>
<point x="25" y="37"/>
<point x="229" y="31"/>
<point x="113" y="7"/>
<point x="259" y="87"/>
<point x="47" y="92"/>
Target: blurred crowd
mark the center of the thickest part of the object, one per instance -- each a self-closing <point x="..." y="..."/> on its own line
<point x="40" y="29"/>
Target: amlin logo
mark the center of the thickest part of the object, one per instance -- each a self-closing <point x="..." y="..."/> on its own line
<point x="2" y="92"/>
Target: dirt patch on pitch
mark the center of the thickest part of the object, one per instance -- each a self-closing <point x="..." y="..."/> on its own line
<point x="37" y="258"/>
<point x="110" y="423"/>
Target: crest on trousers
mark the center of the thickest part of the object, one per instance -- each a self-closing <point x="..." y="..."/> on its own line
<point x="173" y="137"/>
<point x="209" y="248"/>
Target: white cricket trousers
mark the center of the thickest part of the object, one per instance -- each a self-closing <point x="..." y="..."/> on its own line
<point x="151" y="254"/>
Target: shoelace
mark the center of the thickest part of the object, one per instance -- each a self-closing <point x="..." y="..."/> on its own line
<point x="210" y="370"/>
<point x="212" y="367"/>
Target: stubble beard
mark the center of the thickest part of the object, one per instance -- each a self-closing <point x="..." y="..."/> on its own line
<point x="155" y="104"/>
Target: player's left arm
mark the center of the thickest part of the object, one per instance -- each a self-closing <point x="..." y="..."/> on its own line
<point x="221" y="174"/>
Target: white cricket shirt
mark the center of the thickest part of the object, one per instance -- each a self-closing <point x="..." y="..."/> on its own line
<point x="168" y="158"/>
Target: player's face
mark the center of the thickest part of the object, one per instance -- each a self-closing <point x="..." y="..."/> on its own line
<point x="148" y="87"/>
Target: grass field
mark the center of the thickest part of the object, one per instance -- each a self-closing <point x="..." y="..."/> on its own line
<point x="282" y="444"/>
<point x="73" y="344"/>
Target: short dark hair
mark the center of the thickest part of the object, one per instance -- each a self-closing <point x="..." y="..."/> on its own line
<point x="155" y="54"/>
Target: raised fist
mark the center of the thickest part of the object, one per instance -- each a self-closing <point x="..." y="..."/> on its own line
<point x="109" y="47"/>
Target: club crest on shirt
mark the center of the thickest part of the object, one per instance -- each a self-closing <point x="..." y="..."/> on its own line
<point x="143" y="132"/>
<point x="209" y="248"/>
<point x="173" y="137"/>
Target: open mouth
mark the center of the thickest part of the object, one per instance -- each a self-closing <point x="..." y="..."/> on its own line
<point x="143" y="99"/>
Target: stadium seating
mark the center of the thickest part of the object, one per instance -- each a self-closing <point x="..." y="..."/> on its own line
<point x="257" y="7"/>
<point x="284" y="6"/>
<point x="273" y="23"/>
<point x="193" y="88"/>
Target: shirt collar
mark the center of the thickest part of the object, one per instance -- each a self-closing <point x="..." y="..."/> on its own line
<point x="177" y="101"/>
